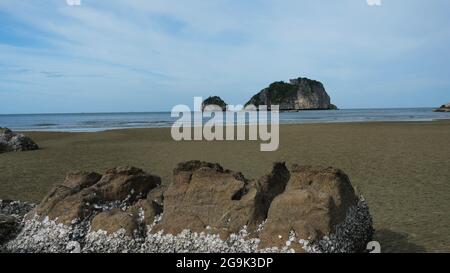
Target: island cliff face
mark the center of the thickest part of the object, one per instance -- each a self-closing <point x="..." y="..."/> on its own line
<point x="298" y="94"/>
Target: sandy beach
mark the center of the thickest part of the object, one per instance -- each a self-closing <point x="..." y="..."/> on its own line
<point x="402" y="169"/>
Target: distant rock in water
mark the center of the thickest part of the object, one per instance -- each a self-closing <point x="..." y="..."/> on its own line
<point x="298" y="94"/>
<point x="443" y="108"/>
<point x="214" y="101"/>
<point x="13" y="142"/>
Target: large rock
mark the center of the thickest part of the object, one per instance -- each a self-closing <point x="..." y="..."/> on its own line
<point x="205" y="197"/>
<point x="82" y="194"/>
<point x="13" y="142"/>
<point x="298" y="94"/>
<point x="314" y="202"/>
<point x="443" y="108"/>
<point x="115" y="220"/>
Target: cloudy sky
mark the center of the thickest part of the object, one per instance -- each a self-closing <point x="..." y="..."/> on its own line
<point x="148" y="55"/>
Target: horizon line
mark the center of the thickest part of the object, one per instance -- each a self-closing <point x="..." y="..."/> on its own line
<point x="169" y="111"/>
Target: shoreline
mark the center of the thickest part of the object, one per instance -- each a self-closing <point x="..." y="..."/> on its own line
<point x="281" y="124"/>
<point x="98" y="122"/>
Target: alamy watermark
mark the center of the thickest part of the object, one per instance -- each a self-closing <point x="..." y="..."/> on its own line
<point x="236" y="123"/>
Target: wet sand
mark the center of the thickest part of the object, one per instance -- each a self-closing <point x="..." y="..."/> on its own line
<point x="402" y="169"/>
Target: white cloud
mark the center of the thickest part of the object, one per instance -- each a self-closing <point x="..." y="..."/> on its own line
<point x="374" y="2"/>
<point x="73" y="2"/>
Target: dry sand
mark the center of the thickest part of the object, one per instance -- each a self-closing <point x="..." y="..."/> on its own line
<point x="403" y="169"/>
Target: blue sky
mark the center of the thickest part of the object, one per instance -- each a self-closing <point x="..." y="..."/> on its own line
<point x="148" y="55"/>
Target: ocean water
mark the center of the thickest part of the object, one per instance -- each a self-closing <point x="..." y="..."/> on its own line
<point x="91" y="122"/>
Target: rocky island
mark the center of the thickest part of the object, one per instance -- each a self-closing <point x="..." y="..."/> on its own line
<point x="443" y="108"/>
<point x="215" y="100"/>
<point x="298" y="94"/>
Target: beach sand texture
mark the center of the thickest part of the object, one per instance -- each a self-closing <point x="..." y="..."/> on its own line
<point x="402" y="169"/>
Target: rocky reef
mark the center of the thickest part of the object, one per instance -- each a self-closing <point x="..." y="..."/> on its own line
<point x="298" y="94"/>
<point x="205" y="208"/>
<point x="443" y="108"/>
<point x="215" y="100"/>
<point x="13" y="142"/>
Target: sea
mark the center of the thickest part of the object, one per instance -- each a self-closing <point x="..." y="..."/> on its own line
<point x="94" y="122"/>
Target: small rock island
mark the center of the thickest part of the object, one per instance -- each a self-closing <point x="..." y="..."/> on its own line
<point x="215" y="100"/>
<point x="298" y="94"/>
<point x="443" y="108"/>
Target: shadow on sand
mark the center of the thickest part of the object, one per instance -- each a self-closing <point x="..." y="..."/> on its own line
<point x="394" y="242"/>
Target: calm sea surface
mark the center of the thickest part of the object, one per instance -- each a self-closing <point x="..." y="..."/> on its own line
<point x="107" y="121"/>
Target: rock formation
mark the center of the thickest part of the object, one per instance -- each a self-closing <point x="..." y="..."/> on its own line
<point x="316" y="200"/>
<point x="204" y="197"/>
<point x="82" y="195"/>
<point x="205" y="209"/>
<point x="12" y="142"/>
<point x="298" y="94"/>
<point x="214" y="101"/>
<point x="443" y="108"/>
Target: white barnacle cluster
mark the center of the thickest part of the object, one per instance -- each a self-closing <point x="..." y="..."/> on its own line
<point x="102" y="242"/>
<point x="15" y="208"/>
<point x="260" y="227"/>
<point x="41" y="236"/>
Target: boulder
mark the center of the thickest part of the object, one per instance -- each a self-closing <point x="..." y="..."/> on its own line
<point x="126" y="182"/>
<point x="82" y="194"/>
<point x="204" y="197"/>
<point x="115" y="220"/>
<point x="71" y="200"/>
<point x="13" y="142"/>
<point x="298" y="94"/>
<point x="443" y="108"/>
<point x="315" y="201"/>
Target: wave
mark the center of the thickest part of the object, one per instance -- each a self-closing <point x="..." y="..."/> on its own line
<point x="45" y="124"/>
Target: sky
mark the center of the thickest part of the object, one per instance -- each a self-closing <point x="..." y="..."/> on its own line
<point x="149" y="55"/>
